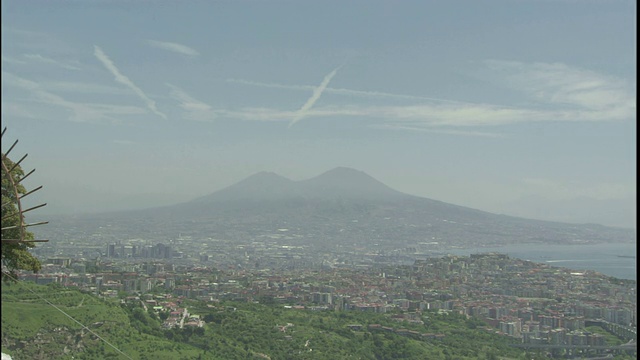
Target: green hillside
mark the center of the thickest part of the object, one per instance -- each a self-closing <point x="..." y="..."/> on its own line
<point x="33" y="329"/>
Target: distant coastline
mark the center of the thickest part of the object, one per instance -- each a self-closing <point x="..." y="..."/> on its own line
<point x="603" y="258"/>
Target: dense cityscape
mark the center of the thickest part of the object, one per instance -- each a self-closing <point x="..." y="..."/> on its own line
<point x="540" y="305"/>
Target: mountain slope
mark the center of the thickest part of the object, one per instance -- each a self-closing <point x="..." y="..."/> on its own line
<point x="344" y="206"/>
<point x="348" y="183"/>
<point x="258" y="187"/>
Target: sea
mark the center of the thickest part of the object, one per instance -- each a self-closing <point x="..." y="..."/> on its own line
<point x="617" y="260"/>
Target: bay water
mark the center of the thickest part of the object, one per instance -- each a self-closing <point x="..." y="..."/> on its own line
<point x="617" y="260"/>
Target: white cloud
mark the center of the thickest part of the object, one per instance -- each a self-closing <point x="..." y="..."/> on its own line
<point x="426" y="117"/>
<point x="431" y="115"/>
<point x="258" y="114"/>
<point x="104" y="59"/>
<point x="50" y="61"/>
<point x="174" y="47"/>
<point x="186" y="101"/>
<point x="81" y="112"/>
<point x="272" y="85"/>
<point x="39" y="42"/>
<point x="84" y="88"/>
<point x="588" y="93"/>
<point x="448" y="131"/>
<point x="11" y="60"/>
<point x="196" y="109"/>
<point x="561" y="93"/>
<point x="341" y="91"/>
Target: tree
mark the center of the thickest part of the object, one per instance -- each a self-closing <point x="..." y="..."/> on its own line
<point x="15" y="254"/>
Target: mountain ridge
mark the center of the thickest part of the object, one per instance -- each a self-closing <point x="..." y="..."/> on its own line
<point x="345" y="205"/>
<point x="339" y="182"/>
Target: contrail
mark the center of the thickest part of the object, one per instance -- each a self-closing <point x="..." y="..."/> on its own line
<point x="175" y="47"/>
<point x="316" y="95"/>
<point x="272" y="85"/>
<point x="349" y="92"/>
<point x="122" y="79"/>
<point x="186" y="101"/>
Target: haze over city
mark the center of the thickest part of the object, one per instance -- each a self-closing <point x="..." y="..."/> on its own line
<point x="523" y="108"/>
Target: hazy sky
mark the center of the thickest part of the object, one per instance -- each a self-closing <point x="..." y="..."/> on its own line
<point x="520" y="107"/>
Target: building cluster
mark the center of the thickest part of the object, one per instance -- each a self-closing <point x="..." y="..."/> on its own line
<point x="536" y="303"/>
<point x="157" y="251"/>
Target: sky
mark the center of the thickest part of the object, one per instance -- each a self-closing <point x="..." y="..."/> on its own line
<point x="517" y="107"/>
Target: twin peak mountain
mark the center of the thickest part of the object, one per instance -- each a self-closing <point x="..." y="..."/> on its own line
<point x="339" y="183"/>
<point x="344" y="204"/>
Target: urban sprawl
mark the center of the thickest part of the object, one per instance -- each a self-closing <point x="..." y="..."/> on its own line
<point x="539" y="304"/>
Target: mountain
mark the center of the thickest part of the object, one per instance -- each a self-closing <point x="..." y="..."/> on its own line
<point x="339" y="183"/>
<point x="347" y="183"/>
<point x="343" y="206"/>
<point x="259" y="187"/>
<point x="343" y="192"/>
